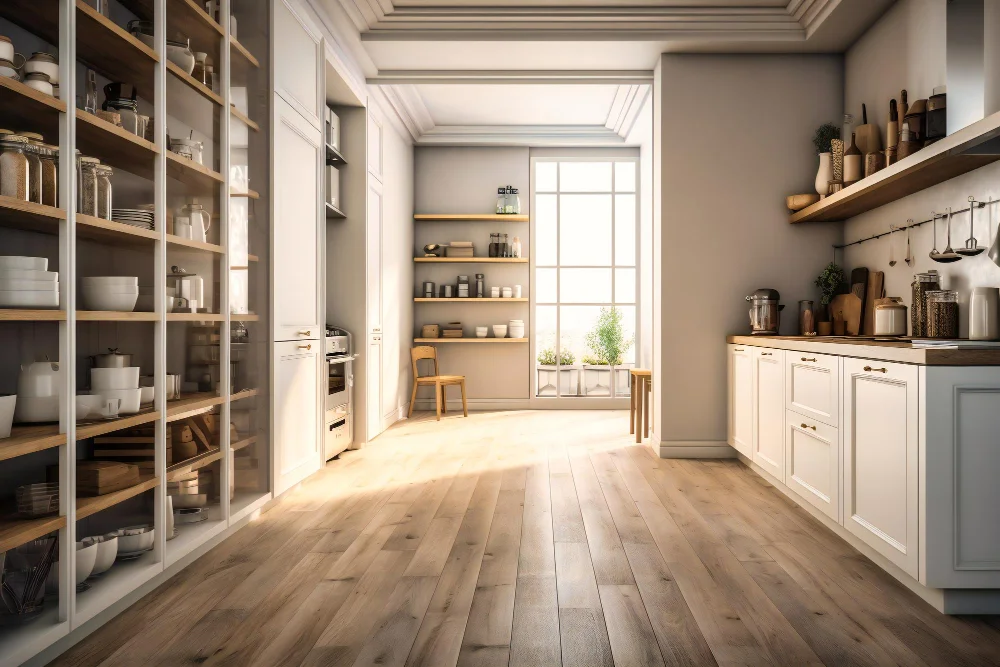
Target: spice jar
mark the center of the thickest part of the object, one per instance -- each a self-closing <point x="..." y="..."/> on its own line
<point x="14" y="167"/>
<point x="50" y="174"/>
<point x="87" y="202"/>
<point x="922" y="283"/>
<point x="942" y="314"/>
<point x="104" y="172"/>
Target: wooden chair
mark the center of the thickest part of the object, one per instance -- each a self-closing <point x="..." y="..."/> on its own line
<point x="642" y="384"/>
<point x="438" y="381"/>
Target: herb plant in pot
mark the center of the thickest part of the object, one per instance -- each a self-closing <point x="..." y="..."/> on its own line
<point x="551" y="375"/>
<point x="829" y="282"/>
<point x="825" y="134"/>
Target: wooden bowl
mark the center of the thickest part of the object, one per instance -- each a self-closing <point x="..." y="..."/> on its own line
<point x="799" y="202"/>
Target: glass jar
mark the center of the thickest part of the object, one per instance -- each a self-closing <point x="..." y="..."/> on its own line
<point x="34" y="173"/>
<point x="922" y="284"/>
<point x="129" y="112"/>
<point x="14" y="174"/>
<point x="104" y="198"/>
<point x="494" y="243"/>
<point x="87" y="202"/>
<point x="500" y="201"/>
<point x="50" y="174"/>
<point x="506" y="247"/>
<point x="480" y="285"/>
<point x="512" y="206"/>
<point x="807" y="320"/>
<point x="942" y="314"/>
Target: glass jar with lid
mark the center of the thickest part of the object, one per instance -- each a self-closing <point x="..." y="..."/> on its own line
<point x="87" y="201"/>
<point x="922" y="284"/>
<point x="512" y="205"/>
<point x="34" y="172"/>
<point x="500" y="200"/>
<point x="50" y="174"/>
<point x="942" y="314"/>
<point x="14" y="169"/>
<point x="104" y="199"/>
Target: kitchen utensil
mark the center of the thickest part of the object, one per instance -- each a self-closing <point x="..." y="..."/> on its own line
<point x="187" y="501"/>
<point x="29" y="299"/>
<point x="39" y="81"/>
<point x="853" y="163"/>
<point x="190" y="515"/>
<point x="889" y="317"/>
<point x="110" y="407"/>
<point x="481" y="332"/>
<point x="983" y="304"/>
<point x="199" y="220"/>
<point x="765" y="311"/>
<point x="114" y="378"/>
<point x="942" y="257"/>
<point x="892" y="126"/>
<point x="799" y="202"/>
<point x="26" y="570"/>
<point x="892" y="246"/>
<point x="847" y="308"/>
<point x="112" y="359"/>
<point x="807" y="318"/>
<point x="7" y="51"/>
<point x="972" y="247"/>
<point x="100" y="298"/>
<point x="86" y="558"/>
<point x="876" y="279"/>
<point x="98" y="478"/>
<point x="859" y="287"/>
<point x="942" y="314"/>
<point x="7" y="405"/>
<point x="949" y="254"/>
<point x="130" y="399"/>
<point x="40" y="378"/>
<point x="37" y="500"/>
<point x="909" y="254"/>
<point x="867" y="135"/>
<point x="146" y="395"/>
<point x="134" y="539"/>
<point x="936" y="122"/>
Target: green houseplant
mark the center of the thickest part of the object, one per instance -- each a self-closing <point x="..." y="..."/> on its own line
<point x="829" y="283"/>
<point x="607" y="339"/>
<point x="547" y="357"/>
<point x="549" y="374"/>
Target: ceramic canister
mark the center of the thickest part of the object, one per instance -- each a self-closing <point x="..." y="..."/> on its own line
<point x="983" y="306"/>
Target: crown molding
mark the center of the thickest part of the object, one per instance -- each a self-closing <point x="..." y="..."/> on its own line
<point x="621" y="77"/>
<point x="625" y="108"/>
<point x="408" y="107"/>
<point x="520" y="135"/>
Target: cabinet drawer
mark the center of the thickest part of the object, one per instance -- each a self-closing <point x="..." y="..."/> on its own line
<point x="812" y="462"/>
<point x="812" y="386"/>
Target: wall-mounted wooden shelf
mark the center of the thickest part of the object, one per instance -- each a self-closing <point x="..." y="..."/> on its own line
<point x="180" y="241"/>
<point x="334" y="157"/>
<point x="471" y="260"/>
<point x="195" y="317"/>
<point x="94" y="429"/>
<point x="469" y="217"/>
<point x="243" y="118"/>
<point x="194" y="84"/>
<point x="114" y="316"/>
<point x="29" y="439"/>
<point x="196" y="177"/>
<point x="27" y="109"/>
<point x="243" y="64"/>
<point x="240" y="395"/>
<point x="249" y="194"/>
<point x="967" y="149"/>
<point x="113" y="233"/>
<point x="253" y="258"/>
<point x="114" y="146"/>
<point x="29" y="315"/>
<point x="334" y="213"/>
<point x="194" y="463"/>
<point x="93" y="504"/>
<point x="192" y="404"/>
<point x="15" y="531"/>
<point x="184" y="17"/>
<point x="29" y="216"/>
<point x="244" y="317"/>
<point x="423" y="299"/>
<point x="434" y="341"/>
<point x="241" y="444"/>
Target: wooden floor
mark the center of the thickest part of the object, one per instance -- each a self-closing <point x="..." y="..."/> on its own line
<point x="533" y="539"/>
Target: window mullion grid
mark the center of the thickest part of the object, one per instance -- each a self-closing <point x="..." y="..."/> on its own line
<point x="558" y="342"/>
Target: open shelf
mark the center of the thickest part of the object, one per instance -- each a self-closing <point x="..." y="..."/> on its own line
<point x="190" y="536"/>
<point x="253" y="258"/>
<point x="25" y="108"/>
<point x="192" y="404"/>
<point x="94" y="429"/>
<point x="423" y="299"/>
<point x="334" y="213"/>
<point x="242" y="444"/>
<point x="194" y="463"/>
<point x="15" y="214"/>
<point x="246" y="393"/>
<point x="195" y="317"/>
<point x="29" y="439"/>
<point x="29" y="315"/>
<point x="243" y="118"/>
<point x="89" y="505"/>
<point x="970" y="148"/>
<point x="15" y="531"/>
<point x="471" y="260"/>
<point x="242" y="63"/>
<point x="30" y="216"/>
<point x="334" y="157"/>
<point x="114" y="146"/>
<point x="114" y="585"/>
<point x="196" y="177"/>
<point x="469" y="217"/>
<point x="114" y="316"/>
<point x="175" y="240"/>
<point x="114" y="233"/>
<point x="243" y="317"/>
<point x="249" y="194"/>
<point x="185" y="17"/>
<point x="433" y="341"/>
<point x="194" y="84"/>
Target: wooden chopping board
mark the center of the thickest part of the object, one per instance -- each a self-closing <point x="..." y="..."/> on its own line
<point x="876" y="290"/>
<point x="859" y="286"/>
<point x="847" y="307"/>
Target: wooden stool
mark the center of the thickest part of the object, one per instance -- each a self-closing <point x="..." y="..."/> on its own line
<point x="642" y="385"/>
<point x="438" y="381"/>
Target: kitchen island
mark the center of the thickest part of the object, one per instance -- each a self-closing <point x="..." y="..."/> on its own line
<point x="894" y="446"/>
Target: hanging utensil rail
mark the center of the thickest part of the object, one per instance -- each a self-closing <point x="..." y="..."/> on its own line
<point x="902" y="228"/>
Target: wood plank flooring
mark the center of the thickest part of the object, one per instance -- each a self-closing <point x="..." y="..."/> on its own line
<point x="533" y="539"/>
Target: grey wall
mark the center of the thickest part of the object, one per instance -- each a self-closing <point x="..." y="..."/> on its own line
<point x="735" y="138"/>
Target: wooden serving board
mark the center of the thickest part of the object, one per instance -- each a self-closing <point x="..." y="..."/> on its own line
<point x="847" y="307"/>
<point x="875" y="291"/>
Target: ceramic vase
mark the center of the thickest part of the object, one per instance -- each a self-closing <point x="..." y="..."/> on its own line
<point x="824" y="174"/>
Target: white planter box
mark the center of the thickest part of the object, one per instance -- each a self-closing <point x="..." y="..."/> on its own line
<point x="568" y="380"/>
<point x="596" y="380"/>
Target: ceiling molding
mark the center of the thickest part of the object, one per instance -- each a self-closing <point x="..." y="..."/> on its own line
<point x="520" y="135"/>
<point x="542" y="77"/>
<point x="409" y="107"/>
<point x="625" y="108"/>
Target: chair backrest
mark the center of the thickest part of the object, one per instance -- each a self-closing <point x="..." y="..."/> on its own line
<point x="423" y="352"/>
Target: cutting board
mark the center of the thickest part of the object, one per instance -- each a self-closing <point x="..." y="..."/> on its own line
<point x="859" y="286"/>
<point x="847" y="307"/>
<point x="876" y="284"/>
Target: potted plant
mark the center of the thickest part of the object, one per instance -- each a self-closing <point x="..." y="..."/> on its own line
<point x="548" y="369"/>
<point x="829" y="283"/>
<point x="608" y="344"/>
<point x="825" y="134"/>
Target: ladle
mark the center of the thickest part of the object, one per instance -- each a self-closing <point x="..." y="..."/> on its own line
<point x="972" y="247"/>
<point x="949" y="255"/>
<point x="909" y="255"/>
<point x="995" y="249"/>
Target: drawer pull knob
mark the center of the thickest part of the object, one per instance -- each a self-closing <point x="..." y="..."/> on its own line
<point x="740" y="350"/>
<point x="304" y="332"/>
<point x="305" y="347"/>
<point x="869" y="369"/>
<point x="808" y="426"/>
<point x="807" y="359"/>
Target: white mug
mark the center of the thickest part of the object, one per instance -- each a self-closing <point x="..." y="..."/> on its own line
<point x="110" y="407"/>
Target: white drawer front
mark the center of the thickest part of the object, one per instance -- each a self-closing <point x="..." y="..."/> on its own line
<point x="769" y="411"/>
<point x="812" y="462"/>
<point x="812" y="386"/>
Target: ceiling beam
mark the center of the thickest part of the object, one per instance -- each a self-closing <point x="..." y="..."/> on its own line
<point x="520" y="135"/>
<point x="544" y="77"/>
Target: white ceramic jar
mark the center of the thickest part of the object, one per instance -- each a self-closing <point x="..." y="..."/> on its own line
<point x="46" y="63"/>
<point x="890" y="317"/>
<point x="983" y="313"/>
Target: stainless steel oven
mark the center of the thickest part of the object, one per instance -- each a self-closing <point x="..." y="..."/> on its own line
<point x="339" y="431"/>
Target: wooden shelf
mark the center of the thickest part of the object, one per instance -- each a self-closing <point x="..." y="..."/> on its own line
<point x="114" y="146"/>
<point x="244" y="317"/>
<point x="184" y="17"/>
<point x="334" y="213"/>
<point x="197" y="177"/>
<point x="93" y="504"/>
<point x="242" y="117"/>
<point x="241" y="444"/>
<point x="113" y="233"/>
<point x="432" y="341"/>
<point x="26" y="109"/>
<point x="246" y="393"/>
<point x="30" y="439"/>
<point x="28" y="315"/>
<point x="194" y="463"/>
<point x="15" y="531"/>
<point x="334" y="157"/>
<point x="29" y="216"/>
<point x="175" y="240"/>
<point x="242" y="63"/>
<point x="253" y="258"/>
<point x="114" y="316"/>
<point x="423" y="299"/>
<point x="967" y="149"/>
<point x="249" y="194"/>
<point x="194" y="84"/>
<point x="192" y="404"/>
<point x="94" y="429"/>
<point x="195" y="317"/>
<point x="471" y="260"/>
<point x="469" y="217"/>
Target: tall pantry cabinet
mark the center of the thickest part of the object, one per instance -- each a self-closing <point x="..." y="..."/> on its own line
<point x="297" y="242"/>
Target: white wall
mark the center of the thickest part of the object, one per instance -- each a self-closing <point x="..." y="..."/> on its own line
<point x="735" y="137"/>
<point x="641" y="135"/>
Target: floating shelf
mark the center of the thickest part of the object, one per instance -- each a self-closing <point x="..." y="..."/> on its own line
<point x="469" y="217"/>
<point x="114" y="146"/>
<point x="114" y="233"/>
<point x="430" y="341"/>
<point x="970" y="148"/>
<point x="244" y="317"/>
<point x="28" y="315"/>
<point x="175" y="240"/>
<point x="114" y="316"/>
<point x="93" y="504"/>
<point x="15" y="531"/>
<point x="195" y="176"/>
<point x="30" y="439"/>
<point x="334" y="213"/>
<point x="27" y="109"/>
<point x="94" y="429"/>
<point x="192" y="404"/>
<point x="15" y="214"/>
<point x="249" y="194"/>
<point x="195" y="317"/>
<point x="423" y="299"/>
<point x="194" y="463"/>
<point x="471" y="260"/>
<point x="241" y="444"/>
<point x="246" y="393"/>
<point x="243" y="118"/>
<point x="334" y="157"/>
<point x="184" y="17"/>
<point x="253" y="258"/>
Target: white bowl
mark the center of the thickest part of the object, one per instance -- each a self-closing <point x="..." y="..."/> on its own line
<point x="500" y="330"/>
<point x="36" y="409"/>
<point x="114" y="378"/>
<point x="110" y="280"/>
<point x="130" y="398"/>
<point x="12" y="285"/>
<point x="135" y="538"/>
<point x="28" y="274"/>
<point x="7" y="404"/>
<point x="481" y="332"/>
<point x="99" y="298"/>
<point x="88" y="406"/>
<point x="86" y="557"/>
<point x="182" y="57"/>
<point x="107" y="550"/>
<point x="24" y="299"/>
<point x="27" y="263"/>
<point x="146" y="395"/>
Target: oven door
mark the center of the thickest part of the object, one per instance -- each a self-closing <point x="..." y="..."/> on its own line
<point x="338" y="378"/>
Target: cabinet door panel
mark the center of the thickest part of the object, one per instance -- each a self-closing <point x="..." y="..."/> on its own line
<point x="374" y="144"/>
<point x="298" y="153"/>
<point x="373" y="250"/>
<point x="298" y="53"/>
<point x="769" y="411"/>
<point x="296" y="413"/>
<point x="741" y="399"/>
<point x="880" y="458"/>
<point x="812" y="386"/>
<point x="373" y="405"/>
<point x="812" y="462"/>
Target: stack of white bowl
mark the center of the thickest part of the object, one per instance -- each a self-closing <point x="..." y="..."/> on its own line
<point x="26" y="282"/>
<point x="38" y="387"/>
<point x="118" y="384"/>
<point x="515" y="328"/>
<point x="117" y="293"/>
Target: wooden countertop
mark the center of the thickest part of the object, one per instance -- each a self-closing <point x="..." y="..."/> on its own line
<point x="881" y="350"/>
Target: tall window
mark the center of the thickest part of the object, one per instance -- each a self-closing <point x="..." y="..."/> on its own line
<point x="585" y="220"/>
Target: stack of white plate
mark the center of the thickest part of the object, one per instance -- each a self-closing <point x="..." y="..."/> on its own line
<point x="26" y="282"/>
<point x="515" y="328"/>
<point x="118" y="293"/>
<point x="136" y="217"/>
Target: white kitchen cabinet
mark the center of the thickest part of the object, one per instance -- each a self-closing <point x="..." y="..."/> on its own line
<point x="812" y="385"/>
<point x="297" y="412"/>
<point x="375" y="145"/>
<point x="769" y="410"/>
<point x="812" y="462"/>
<point x="298" y="63"/>
<point x="881" y="424"/>
<point x="741" y="399"/>
<point x="373" y="257"/>
<point x="374" y="387"/>
<point x="297" y="226"/>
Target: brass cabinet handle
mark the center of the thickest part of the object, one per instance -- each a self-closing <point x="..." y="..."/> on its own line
<point x="808" y="426"/>
<point x="305" y="347"/>
<point x="304" y="332"/>
<point x="739" y="350"/>
<point x="869" y="369"/>
<point x="765" y="354"/>
<point x="807" y="359"/>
